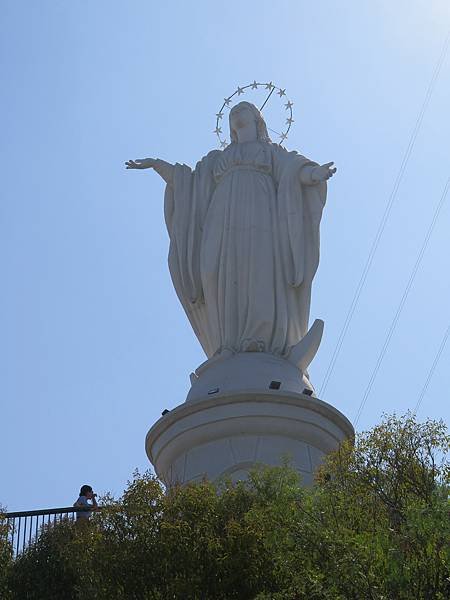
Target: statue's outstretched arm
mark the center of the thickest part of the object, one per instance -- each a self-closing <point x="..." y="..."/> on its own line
<point x="163" y="168"/>
<point x="312" y="174"/>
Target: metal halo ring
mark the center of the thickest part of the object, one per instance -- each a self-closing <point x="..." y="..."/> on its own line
<point x="241" y="90"/>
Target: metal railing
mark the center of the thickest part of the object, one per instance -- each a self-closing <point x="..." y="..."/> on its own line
<point x="23" y="528"/>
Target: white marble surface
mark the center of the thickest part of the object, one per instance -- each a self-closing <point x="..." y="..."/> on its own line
<point x="244" y="249"/>
<point x="244" y="239"/>
<point x="228" y="435"/>
<point x="246" y="371"/>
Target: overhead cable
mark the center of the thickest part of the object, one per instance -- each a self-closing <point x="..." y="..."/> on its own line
<point x="402" y="302"/>
<point x="432" y="369"/>
<point x="385" y="217"/>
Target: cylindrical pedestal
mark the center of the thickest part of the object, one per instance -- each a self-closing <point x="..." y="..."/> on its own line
<point x="228" y="435"/>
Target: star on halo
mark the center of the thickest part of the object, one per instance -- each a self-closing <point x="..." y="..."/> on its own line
<point x="269" y="86"/>
<point x="240" y="91"/>
<point x="289" y="121"/>
<point x="283" y="136"/>
<point x="217" y="130"/>
<point x="223" y="144"/>
<point x="227" y="101"/>
<point x="289" y="105"/>
<point x="219" y="115"/>
<point x="254" y="85"/>
<point x="281" y="92"/>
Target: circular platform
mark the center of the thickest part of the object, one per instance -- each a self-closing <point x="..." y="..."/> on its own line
<point x="226" y="435"/>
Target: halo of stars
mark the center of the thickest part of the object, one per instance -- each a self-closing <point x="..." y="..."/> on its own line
<point x="271" y="88"/>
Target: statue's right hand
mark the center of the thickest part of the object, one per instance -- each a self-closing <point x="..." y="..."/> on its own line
<point x="141" y="163"/>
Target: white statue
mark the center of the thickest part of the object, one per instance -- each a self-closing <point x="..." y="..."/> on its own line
<point x="244" y="239"/>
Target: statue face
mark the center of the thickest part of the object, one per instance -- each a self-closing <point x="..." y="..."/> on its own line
<point x="241" y="117"/>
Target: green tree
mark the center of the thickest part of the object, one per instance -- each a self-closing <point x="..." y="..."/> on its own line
<point x="374" y="526"/>
<point x="5" y="555"/>
<point x="380" y="513"/>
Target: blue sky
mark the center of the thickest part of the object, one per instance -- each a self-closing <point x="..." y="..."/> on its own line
<point x="93" y="342"/>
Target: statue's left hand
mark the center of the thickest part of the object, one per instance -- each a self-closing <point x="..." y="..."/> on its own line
<point x="323" y="172"/>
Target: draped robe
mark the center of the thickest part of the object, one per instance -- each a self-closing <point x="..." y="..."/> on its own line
<point x="244" y="246"/>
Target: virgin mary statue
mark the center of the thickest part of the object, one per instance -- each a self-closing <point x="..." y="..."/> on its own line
<point x="244" y="238"/>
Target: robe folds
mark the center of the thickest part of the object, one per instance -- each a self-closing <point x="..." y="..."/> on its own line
<point x="244" y="246"/>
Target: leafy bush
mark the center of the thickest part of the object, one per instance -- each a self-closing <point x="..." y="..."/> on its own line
<point x="5" y="555"/>
<point x="374" y="526"/>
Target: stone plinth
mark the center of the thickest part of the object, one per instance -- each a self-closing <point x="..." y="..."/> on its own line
<point x="226" y="435"/>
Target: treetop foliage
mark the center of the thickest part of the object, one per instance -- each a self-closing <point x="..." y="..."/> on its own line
<point x="374" y="526"/>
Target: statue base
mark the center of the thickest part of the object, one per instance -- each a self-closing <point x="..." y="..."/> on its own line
<point x="246" y="371"/>
<point x="225" y="435"/>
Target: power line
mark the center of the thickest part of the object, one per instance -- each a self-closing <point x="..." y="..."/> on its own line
<point x="433" y="367"/>
<point x="385" y="217"/>
<point x="402" y="302"/>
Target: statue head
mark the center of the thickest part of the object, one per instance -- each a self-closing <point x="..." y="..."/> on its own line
<point x="241" y="114"/>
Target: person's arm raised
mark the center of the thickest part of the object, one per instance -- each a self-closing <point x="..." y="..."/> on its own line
<point x="163" y="168"/>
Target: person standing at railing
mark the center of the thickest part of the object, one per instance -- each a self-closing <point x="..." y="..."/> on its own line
<point x="87" y="499"/>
